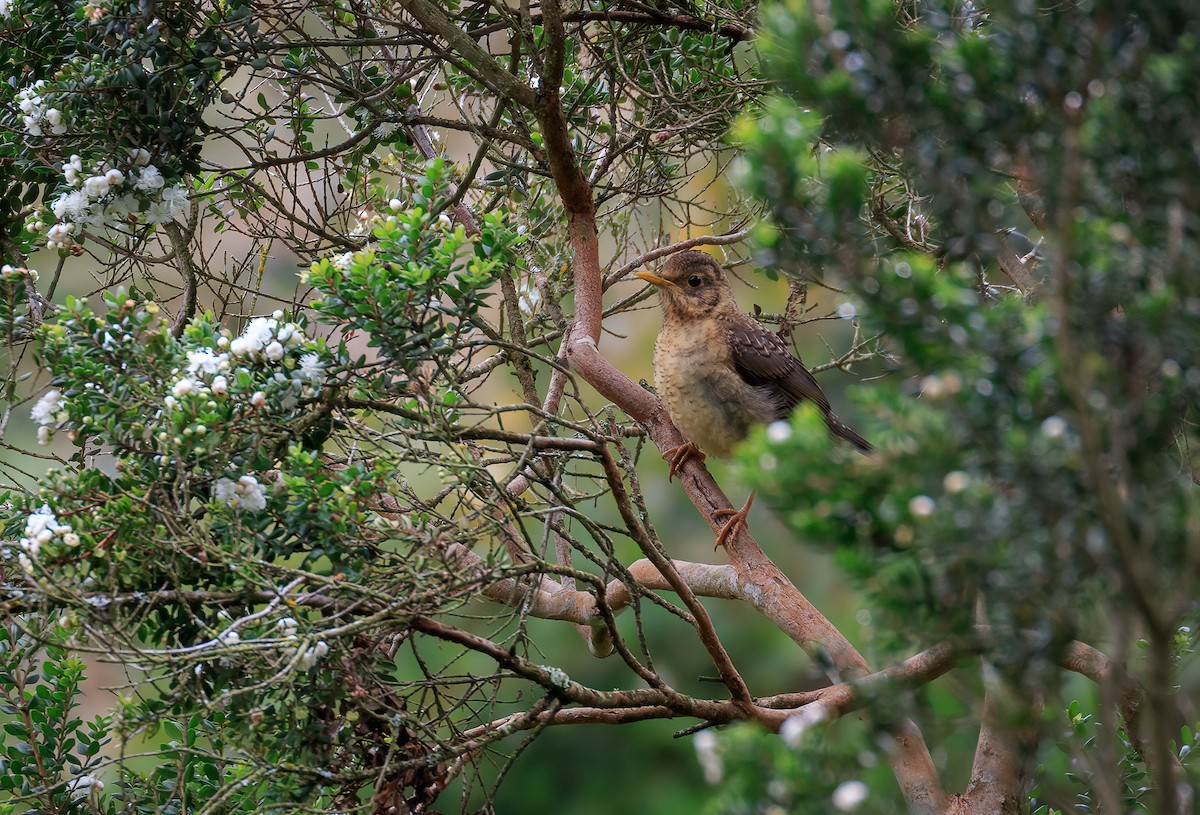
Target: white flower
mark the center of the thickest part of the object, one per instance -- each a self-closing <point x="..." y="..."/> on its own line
<point x="258" y="333"/>
<point x="71" y="204"/>
<point x="274" y="351"/>
<point x="220" y="385"/>
<point x="922" y="506"/>
<point x="43" y="435"/>
<point x="258" y="399"/>
<point x="312" y="368"/>
<point x="149" y="179"/>
<point x="793" y="730"/>
<point x="708" y="753"/>
<point x="956" y="481"/>
<point x="96" y="186"/>
<point x="311" y="656"/>
<point x="72" y="168"/>
<point x="83" y="786"/>
<point x="230" y="637"/>
<point x="158" y="213"/>
<point x="849" y="795"/>
<point x="115" y="177"/>
<point x="58" y="236"/>
<point x="246" y="492"/>
<point x="121" y="209"/>
<point x="25" y="562"/>
<point x="779" y="432"/>
<point x="224" y="491"/>
<point x="1054" y="427"/>
<point x="205" y="361"/>
<point x="139" y="156"/>
<point x="183" y="387"/>
<point x="46" y="410"/>
<point x="171" y="402"/>
<point x="176" y="199"/>
<point x="42" y="527"/>
<point x="253" y="494"/>
<point x="291" y="335"/>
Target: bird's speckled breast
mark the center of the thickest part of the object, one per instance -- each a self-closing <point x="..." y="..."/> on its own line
<point x="707" y="400"/>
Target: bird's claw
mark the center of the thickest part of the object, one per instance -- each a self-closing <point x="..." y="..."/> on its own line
<point x="678" y="455"/>
<point x="737" y="518"/>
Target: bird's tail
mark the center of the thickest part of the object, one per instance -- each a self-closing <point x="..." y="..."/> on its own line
<point x="840" y="428"/>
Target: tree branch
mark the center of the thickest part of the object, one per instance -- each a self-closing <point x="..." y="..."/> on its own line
<point x="489" y="70"/>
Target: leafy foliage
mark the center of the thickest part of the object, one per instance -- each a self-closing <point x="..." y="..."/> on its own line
<point x="1036" y="433"/>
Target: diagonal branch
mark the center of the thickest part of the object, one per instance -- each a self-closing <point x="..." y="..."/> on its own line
<point x="484" y="65"/>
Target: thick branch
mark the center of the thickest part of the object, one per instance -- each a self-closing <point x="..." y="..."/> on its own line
<point x="704" y="627"/>
<point x="729" y="29"/>
<point x="557" y="681"/>
<point x="1002" y="756"/>
<point x="489" y="70"/>
<point x="187" y="269"/>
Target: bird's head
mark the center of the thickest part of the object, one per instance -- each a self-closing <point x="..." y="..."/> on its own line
<point x="692" y="284"/>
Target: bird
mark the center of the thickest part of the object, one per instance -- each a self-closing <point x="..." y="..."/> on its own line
<point x="719" y="372"/>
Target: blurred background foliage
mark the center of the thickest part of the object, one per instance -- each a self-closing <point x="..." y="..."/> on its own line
<point x="1026" y="181"/>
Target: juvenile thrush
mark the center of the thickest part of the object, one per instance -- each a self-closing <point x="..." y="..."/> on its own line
<point x="719" y="372"/>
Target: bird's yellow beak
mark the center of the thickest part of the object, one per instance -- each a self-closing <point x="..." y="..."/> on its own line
<point x="653" y="279"/>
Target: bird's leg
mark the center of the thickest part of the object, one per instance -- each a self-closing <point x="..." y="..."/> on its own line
<point x="737" y="518"/>
<point x="678" y="456"/>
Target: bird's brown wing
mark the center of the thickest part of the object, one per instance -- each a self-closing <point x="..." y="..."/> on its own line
<point x="763" y="359"/>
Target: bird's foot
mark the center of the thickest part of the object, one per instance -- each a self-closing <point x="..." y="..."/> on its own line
<point x="678" y="455"/>
<point x="737" y="519"/>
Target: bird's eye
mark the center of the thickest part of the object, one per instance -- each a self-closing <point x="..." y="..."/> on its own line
<point x="694" y="281"/>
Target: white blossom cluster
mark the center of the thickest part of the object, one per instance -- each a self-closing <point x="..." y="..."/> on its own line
<point x="47" y="413"/>
<point x="6" y="7"/>
<point x="8" y="268"/>
<point x="292" y="372"/>
<point x="310" y="656"/>
<point x="245" y="493"/>
<point x="110" y="198"/>
<point x="266" y="340"/>
<point x="84" y="786"/>
<point x="708" y="753"/>
<point x="36" y="114"/>
<point x="40" y="528"/>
